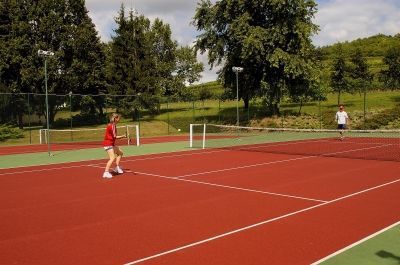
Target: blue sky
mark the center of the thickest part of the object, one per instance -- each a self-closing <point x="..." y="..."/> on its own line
<point x="339" y="20"/>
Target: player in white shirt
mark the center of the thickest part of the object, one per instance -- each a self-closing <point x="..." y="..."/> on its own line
<point x="342" y="119"/>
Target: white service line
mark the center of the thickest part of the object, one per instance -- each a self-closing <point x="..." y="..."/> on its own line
<point x="256" y="225"/>
<point x="222" y="186"/>
<point x="355" y="244"/>
<point x="246" y="166"/>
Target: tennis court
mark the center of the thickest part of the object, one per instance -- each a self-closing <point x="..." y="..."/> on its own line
<point x="223" y="205"/>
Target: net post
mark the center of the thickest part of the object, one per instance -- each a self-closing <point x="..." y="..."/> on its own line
<point x="137" y="135"/>
<point x="191" y="135"/>
<point x="40" y="136"/>
<point x="204" y="136"/>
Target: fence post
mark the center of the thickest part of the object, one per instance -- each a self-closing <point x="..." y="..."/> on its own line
<point x="29" y="120"/>
<point x="319" y="112"/>
<point x="168" y="114"/>
<point x="194" y="115"/>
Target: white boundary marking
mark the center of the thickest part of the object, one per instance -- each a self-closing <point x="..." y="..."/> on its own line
<point x="256" y="224"/>
<point x="223" y="186"/>
<point x="246" y="166"/>
<point x="102" y="163"/>
<point x="355" y="244"/>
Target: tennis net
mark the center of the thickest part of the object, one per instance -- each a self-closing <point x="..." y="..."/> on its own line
<point x="89" y="136"/>
<point x="356" y="144"/>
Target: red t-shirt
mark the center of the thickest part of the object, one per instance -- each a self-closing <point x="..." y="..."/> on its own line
<point x="111" y="135"/>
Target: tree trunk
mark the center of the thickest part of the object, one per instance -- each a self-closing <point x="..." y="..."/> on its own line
<point x="246" y="102"/>
<point x="338" y="100"/>
<point x="20" y="120"/>
<point x="301" y="105"/>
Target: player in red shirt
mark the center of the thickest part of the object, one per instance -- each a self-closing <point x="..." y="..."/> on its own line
<point x="113" y="151"/>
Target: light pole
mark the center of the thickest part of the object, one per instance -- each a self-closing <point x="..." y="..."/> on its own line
<point x="46" y="54"/>
<point x="70" y="111"/>
<point x="237" y="70"/>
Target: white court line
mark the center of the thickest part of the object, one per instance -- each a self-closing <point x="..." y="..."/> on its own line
<point x="256" y="225"/>
<point x="223" y="186"/>
<point x="246" y="166"/>
<point x="355" y="244"/>
<point x="40" y="170"/>
<point x="102" y="163"/>
<point x="278" y="161"/>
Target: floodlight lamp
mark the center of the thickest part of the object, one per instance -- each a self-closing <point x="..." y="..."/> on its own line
<point x="45" y="53"/>
<point x="237" y="69"/>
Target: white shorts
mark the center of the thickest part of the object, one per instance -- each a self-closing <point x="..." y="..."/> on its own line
<point x="106" y="148"/>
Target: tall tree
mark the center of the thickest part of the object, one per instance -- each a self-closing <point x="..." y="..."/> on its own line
<point x="359" y="71"/>
<point x="271" y="40"/>
<point x="128" y="57"/>
<point x="15" y="56"/>
<point x="63" y="27"/>
<point x="391" y="75"/>
<point x="339" y="80"/>
<point x="142" y="61"/>
<point x="187" y="71"/>
<point x="361" y="77"/>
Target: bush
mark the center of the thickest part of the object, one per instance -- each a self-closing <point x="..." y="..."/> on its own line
<point x="80" y="120"/>
<point x="9" y="132"/>
<point x="383" y="119"/>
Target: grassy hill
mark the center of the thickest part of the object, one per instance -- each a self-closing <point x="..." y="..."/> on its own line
<point x="373" y="48"/>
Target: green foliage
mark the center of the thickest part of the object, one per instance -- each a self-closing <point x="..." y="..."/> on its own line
<point x="9" y="132"/>
<point x="62" y="27"/>
<point x="80" y="120"/>
<point x="339" y="79"/>
<point x="143" y="60"/>
<point x="383" y="119"/>
<point x="271" y="40"/>
<point x="210" y="90"/>
<point x="374" y="46"/>
<point x="373" y="49"/>
<point x="391" y="75"/>
<point x="187" y="68"/>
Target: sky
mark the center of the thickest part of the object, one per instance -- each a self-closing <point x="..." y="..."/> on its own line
<point x="339" y="20"/>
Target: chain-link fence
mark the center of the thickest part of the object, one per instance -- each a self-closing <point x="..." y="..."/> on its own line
<point x="379" y="110"/>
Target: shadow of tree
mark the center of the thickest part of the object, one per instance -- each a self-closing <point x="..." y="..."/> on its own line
<point x="387" y="255"/>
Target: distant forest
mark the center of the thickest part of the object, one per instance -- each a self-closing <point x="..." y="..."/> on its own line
<point x="373" y="49"/>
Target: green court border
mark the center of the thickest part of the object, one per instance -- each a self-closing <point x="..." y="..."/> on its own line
<point x="42" y="158"/>
<point x="382" y="248"/>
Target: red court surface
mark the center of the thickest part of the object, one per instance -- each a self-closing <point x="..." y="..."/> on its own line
<point x="208" y="207"/>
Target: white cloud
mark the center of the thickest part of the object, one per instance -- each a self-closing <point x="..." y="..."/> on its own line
<point x="345" y="20"/>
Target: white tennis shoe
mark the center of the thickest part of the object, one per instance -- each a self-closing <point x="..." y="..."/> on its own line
<point x="107" y="175"/>
<point x="118" y="170"/>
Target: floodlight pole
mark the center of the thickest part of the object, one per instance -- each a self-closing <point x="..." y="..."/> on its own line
<point x="70" y="111"/>
<point x="46" y="54"/>
<point x="237" y="70"/>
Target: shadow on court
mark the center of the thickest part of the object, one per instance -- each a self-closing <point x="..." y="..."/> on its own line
<point x="387" y="255"/>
